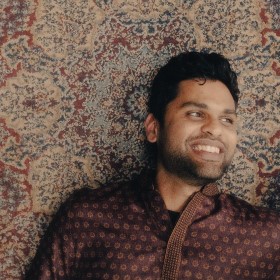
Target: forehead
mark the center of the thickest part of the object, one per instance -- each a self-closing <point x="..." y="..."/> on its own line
<point x="211" y="93"/>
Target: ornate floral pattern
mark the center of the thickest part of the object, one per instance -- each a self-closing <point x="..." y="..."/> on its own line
<point x="74" y="81"/>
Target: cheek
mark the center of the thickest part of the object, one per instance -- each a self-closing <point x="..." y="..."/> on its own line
<point x="177" y="132"/>
<point x="183" y="128"/>
<point x="232" y="140"/>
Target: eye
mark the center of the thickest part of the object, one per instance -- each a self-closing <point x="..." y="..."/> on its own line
<point x="228" y="121"/>
<point x="195" y="114"/>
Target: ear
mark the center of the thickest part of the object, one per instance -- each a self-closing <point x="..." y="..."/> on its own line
<point x="152" y="128"/>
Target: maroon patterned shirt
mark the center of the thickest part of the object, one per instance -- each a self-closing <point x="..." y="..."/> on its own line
<point x="126" y="232"/>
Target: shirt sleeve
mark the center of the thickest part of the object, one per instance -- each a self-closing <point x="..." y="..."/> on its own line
<point x="56" y="253"/>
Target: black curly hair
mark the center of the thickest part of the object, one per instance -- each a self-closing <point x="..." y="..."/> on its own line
<point x="188" y="66"/>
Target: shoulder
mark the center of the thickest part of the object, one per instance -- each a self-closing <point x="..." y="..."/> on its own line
<point x="125" y="192"/>
<point x="103" y="194"/>
<point x="88" y="204"/>
<point x="241" y="208"/>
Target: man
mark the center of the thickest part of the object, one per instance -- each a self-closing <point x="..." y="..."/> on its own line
<point x="171" y="223"/>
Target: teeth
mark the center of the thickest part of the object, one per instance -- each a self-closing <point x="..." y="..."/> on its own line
<point x="209" y="149"/>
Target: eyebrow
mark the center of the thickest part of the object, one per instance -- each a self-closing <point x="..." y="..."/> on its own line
<point x="204" y="106"/>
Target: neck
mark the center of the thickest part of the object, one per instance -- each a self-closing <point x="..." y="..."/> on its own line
<point x="174" y="191"/>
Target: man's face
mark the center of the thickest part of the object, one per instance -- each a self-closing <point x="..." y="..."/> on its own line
<point x="198" y="138"/>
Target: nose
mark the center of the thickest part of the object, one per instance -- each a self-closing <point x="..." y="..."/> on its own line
<point x="212" y="127"/>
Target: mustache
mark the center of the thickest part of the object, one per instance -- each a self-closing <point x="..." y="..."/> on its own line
<point x="205" y="137"/>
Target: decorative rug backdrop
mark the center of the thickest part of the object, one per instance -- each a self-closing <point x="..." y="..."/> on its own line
<point x="74" y="77"/>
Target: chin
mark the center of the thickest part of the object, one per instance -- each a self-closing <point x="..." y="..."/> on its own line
<point x="211" y="174"/>
<point x="210" y="179"/>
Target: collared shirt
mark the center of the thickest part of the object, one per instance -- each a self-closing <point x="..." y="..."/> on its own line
<point x="125" y="232"/>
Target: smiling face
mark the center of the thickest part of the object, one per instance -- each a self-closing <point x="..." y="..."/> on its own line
<point x="198" y="138"/>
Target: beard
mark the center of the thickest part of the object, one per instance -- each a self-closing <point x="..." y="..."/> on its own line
<point x="188" y="169"/>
